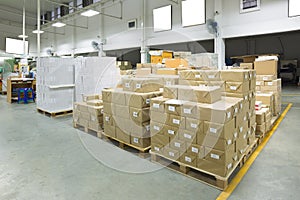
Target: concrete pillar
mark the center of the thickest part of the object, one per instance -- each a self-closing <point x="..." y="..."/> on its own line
<point x="144" y="47"/>
<point x="219" y="40"/>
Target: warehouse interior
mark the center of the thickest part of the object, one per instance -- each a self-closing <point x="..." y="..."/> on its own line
<point x="160" y="99"/>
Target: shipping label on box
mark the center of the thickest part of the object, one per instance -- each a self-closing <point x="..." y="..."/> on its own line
<point x="157" y="128"/>
<point x="212" y="75"/>
<point x="176" y="121"/>
<point x="108" y="119"/>
<point x="173" y="106"/>
<point x="222" y="158"/>
<point x="238" y="87"/>
<point x="235" y="75"/>
<point x="225" y="131"/>
<point x="194" y="125"/>
<point x="171" y="131"/>
<point x="190" y="137"/>
<point x="196" y="150"/>
<point x="179" y="145"/>
<point x="265" y="77"/>
<point x="157" y="148"/>
<point x="139" y="116"/>
<point x="188" y="159"/>
<point x="140" y="142"/>
<point x="191" y="110"/>
<point x="214" y="142"/>
<point x="158" y="104"/>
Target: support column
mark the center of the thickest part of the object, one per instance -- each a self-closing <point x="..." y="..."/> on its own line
<point x="39" y="33"/>
<point x="144" y="47"/>
<point x="101" y="37"/>
<point x="219" y="40"/>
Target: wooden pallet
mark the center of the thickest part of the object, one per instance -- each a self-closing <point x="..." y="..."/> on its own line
<point x="203" y="176"/>
<point x="142" y="152"/>
<point x="87" y="129"/>
<point x="55" y="114"/>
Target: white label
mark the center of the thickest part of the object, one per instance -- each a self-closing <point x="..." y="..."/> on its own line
<point x="246" y="76"/>
<point x="102" y="111"/>
<point x="213" y="130"/>
<point x="228" y="115"/>
<point x="177" y="144"/>
<point x="156" y="149"/>
<point x="176" y="121"/>
<point x="194" y="125"/>
<point x="171" y="154"/>
<point x="241" y="129"/>
<point x="135" y="114"/>
<point x="234" y="88"/>
<point x="195" y="150"/>
<point x="270" y="83"/>
<point x="156" y="105"/>
<point x="107" y="119"/>
<point x="147" y="101"/>
<point x="156" y="128"/>
<point x="171" y="108"/>
<point x="246" y="97"/>
<point x="136" y="140"/>
<point x="187" y="159"/>
<point x="229" y="166"/>
<point x="265" y="78"/>
<point x="250" y="76"/>
<point x="215" y="156"/>
<point x="187" y="136"/>
<point x="171" y="132"/>
<point x="235" y="134"/>
<point x="235" y="157"/>
<point x="197" y="76"/>
<point x="245" y="136"/>
<point x="138" y="86"/>
<point x="127" y="85"/>
<point x="236" y="110"/>
<point x="147" y="128"/>
<point x="211" y="76"/>
<point x="229" y="142"/>
<point x="187" y="111"/>
<point x="168" y="83"/>
<point x="245" y="118"/>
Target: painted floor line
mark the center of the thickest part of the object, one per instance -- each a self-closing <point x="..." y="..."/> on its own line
<point x="237" y="179"/>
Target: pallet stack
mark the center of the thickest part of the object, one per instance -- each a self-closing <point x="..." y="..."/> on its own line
<point x="126" y="111"/>
<point x="196" y="127"/>
<point x="89" y="114"/>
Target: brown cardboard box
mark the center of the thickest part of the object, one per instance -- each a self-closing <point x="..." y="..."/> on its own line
<point x="92" y="97"/>
<point x="244" y="97"/>
<point x="241" y="145"/>
<point x="157" y="128"/>
<point x="95" y="126"/>
<point x="211" y="75"/>
<point x="265" y="77"/>
<point x="261" y="129"/>
<point x="214" y="142"/>
<point x="171" y="153"/>
<point x="145" y="85"/>
<point x="120" y="111"/>
<point x="82" y="107"/>
<point x="173" y="107"/>
<point x="196" y="150"/>
<point x="170" y="80"/>
<point x="276" y="83"/>
<point x="171" y="92"/>
<point x="95" y="102"/>
<point x="158" y="104"/>
<point x="261" y="116"/>
<point x="196" y="75"/>
<point x="191" y="110"/>
<point x="158" y="117"/>
<point x="83" y="122"/>
<point x="96" y="111"/>
<point x="266" y="98"/>
<point x="118" y="97"/>
<point x="188" y="159"/>
<point x="246" y="65"/>
<point x="235" y="75"/>
<point x="139" y="116"/>
<point x="110" y="130"/>
<point x="260" y="83"/>
<point x="140" y="72"/>
<point x="96" y="119"/>
<point x="108" y="120"/>
<point x="266" y="67"/>
<point x="220" y="84"/>
<point x="237" y="87"/>
<point x="237" y="103"/>
<point x="224" y="131"/>
<point x="140" y="131"/>
<point x="123" y="136"/>
<point x="107" y="94"/>
<point x="252" y="85"/>
<point x="143" y="65"/>
<point x="140" y="142"/>
<point x="175" y="63"/>
<point x="190" y="137"/>
<point x="85" y="115"/>
<point x="141" y="100"/>
<point x="214" y="168"/>
<point x="178" y="145"/>
<point x="171" y="131"/>
<point x="199" y="94"/>
<point x="107" y="108"/>
<point x="194" y="125"/>
<point x="223" y="158"/>
<point x="176" y="121"/>
<point x="123" y="124"/>
<point x="189" y="82"/>
<point x="167" y="71"/>
<point x="160" y="140"/>
<point x="157" y="148"/>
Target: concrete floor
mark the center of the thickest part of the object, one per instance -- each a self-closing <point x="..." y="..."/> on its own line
<point x="43" y="158"/>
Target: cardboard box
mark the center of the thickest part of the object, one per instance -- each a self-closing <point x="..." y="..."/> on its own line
<point x="157" y="148"/>
<point x="143" y="65"/>
<point x="199" y="94"/>
<point x="237" y="87"/>
<point x="190" y="137"/>
<point x="274" y="83"/>
<point x="96" y="119"/>
<point x="195" y="150"/>
<point x="171" y="131"/>
<point x="92" y="97"/>
<point x="191" y="110"/>
<point x="188" y="159"/>
<point x="171" y="153"/>
<point x="141" y="100"/>
<point x="108" y="120"/>
<point x="214" y="142"/>
<point x="123" y="135"/>
<point x="178" y="145"/>
<point x="157" y="128"/>
<point x="107" y="108"/>
<point x="266" y="98"/>
<point x="212" y="75"/>
<point x="145" y="85"/>
<point x="261" y="129"/>
<point x="95" y="102"/>
<point x="85" y="115"/>
<point x="167" y="71"/>
<point x="241" y="145"/>
<point x="139" y="116"/>
<point x="175" y="63"/>
<point x="81" y="106"/>
<point x="265" y="77"/>
<point x="260" y="83"/>
<point x="194" y="125"/>
<point x="106" y="95"/>
<point x="222" y="158"/>
<point x="140" y="142"/>
<point x="244" y="97"/>
<point x="176" y="121"/>
<point x="83" y="122"/>
<point x="160" y="140"/>
<point x="246" y="65"/>
<point x="121" y="111"/>
<point x="171" y="92"/>
<point x="118" y="97"/>
<point x="140" y="131"/>
<point x="96" y="111"/>
<point x="124" y="124"/>
<point x="261" y="116"/>
<point x="110" y="130"/>
<point x="143" y="72"/>
<point x="171" y="80"/>
<point x="157" y="104"/>
<point x="235" y="75"/>
<point x="224" y="131"/>
<point x="158" y="117"/>
<point x="220" y="84"/>
<point x="173" y="107"/>
<point x="266" y="67"/>
<point x="195" y="75"/>
<point x="95" y="126"/>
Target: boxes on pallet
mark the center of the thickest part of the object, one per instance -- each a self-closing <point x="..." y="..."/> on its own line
<point x="266" y="67"/>
<point x="175" y="63"/>
<point x="141" y="85"/>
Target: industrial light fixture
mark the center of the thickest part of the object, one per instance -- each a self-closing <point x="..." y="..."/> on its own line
<point x="23" y="36"/>
<point x="58" y="24"/>
<point x="90" y="13"/>
<point x="36" y="31"/>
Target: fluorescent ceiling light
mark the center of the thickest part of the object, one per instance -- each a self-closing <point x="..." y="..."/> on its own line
<point x="23" y="36"/>
<point x="58" y="24"/>
<point x="36" y="31"/>
<point x="90" y="13"/>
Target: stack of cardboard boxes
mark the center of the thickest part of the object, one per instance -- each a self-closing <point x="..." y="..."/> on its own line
<point x="89" y="113"/>
<point x="127" y="112"/>
<point x="263" y="121"/>
<point x="197" y="127"/>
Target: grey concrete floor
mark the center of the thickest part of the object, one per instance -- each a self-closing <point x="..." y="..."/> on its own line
<point x="44" y="158"/>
